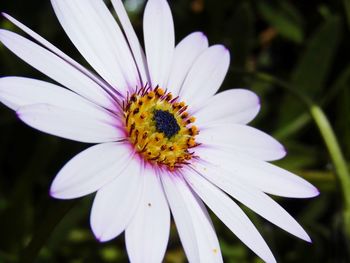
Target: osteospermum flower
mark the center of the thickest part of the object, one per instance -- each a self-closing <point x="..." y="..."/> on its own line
<point x="165" y="141"/>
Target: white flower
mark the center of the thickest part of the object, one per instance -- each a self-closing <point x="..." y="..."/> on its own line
<point x="149" y="155"/>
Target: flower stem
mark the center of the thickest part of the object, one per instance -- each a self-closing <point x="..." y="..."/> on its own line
<point x="338" y="159"/>
<point x="328" y="136"/>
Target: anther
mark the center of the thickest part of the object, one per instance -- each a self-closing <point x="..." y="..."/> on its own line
<point x="169" y="96"/>
<point x="159" y="137"/>
<point x="143" y="115"/>
<point x="184" y="115"/>
<point x="180" y="159"/>
<point x="137" y="136"/>
<point x="191" y="120"/>
<point x="156" y="158"/>
<point x="193" y="131"/>
<point x="127" y="120"/>
<point x="175" y="105"/>
<point x="159" y="92"/>
<point x="127" y="107"/>
<point x="150" y="95"/>
<point x="144" y="136"/>
<point x="132" y="127"/>
<point x="144" y="148"/>
<point x="191" y="142"/>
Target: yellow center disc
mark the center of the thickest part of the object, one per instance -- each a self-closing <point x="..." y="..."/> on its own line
<point x="159" y="127"/>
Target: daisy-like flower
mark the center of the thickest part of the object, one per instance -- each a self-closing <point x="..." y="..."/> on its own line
<point x="152" y="155"/>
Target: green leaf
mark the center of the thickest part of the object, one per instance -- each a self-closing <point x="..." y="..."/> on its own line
<point x="284" y="17"/>
<point x="313" y="68"/>
<point x="315" y="63"/>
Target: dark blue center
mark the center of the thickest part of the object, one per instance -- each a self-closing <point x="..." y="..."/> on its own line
<point x="166" y="123"/>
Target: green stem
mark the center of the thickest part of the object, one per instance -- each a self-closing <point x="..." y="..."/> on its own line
<point x="337" y="157"/>
<point x="328" y="136"/>
<point x="55" y="214"/>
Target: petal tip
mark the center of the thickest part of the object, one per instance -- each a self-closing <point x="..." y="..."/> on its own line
<point x="220" y="47"/>
<point x="308" y="239"/>
<point x="270" y="259"/>
<point x="55" y="194"/>
<point x="283" y="151"/>
<point x="316" y="192"/>
<point x="101" y="238"/>
<point x="226" y="50"/>
<point x="258" y="100"/>
<point x="313" y="192"/>
<point x="52" y="193"/>
<point x="304" y="236"/>
<point x="99" y="234"/>
<point x="202" y="35"/>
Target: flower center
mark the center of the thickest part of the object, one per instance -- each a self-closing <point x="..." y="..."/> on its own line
<point x="159" y="127"/>
<point x="166" y="123"/>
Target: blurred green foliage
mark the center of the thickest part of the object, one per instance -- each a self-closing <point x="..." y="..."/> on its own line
<point x="304" y="43"/>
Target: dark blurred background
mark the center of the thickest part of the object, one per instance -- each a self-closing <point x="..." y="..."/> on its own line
<point x="302" y="44"/>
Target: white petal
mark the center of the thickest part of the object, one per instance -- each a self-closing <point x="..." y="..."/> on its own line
<point x="147" y="234"/>
<point x="115" y="204"/>
<point x="70" y="124"/>
<point x="252" y="198"/>
<point x="186" y="52"/>
<point x="243" y="139"/>
<point x="136" y="48"/>
<point x="158" y="28"/>
<point x="90" y="170"/>
<point x="230" y="214"/>
<point x="97" y="36"/>
<point x="16" y="92"/>
<point x="262" y="175"/>
<point x="182" y="217"/>
<point x="55" y="68"/>
<point x="206" y="75"/>
<point x="230" y="106"/>
<point x="58" y="52"/>
<point x="193" y="223"/>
